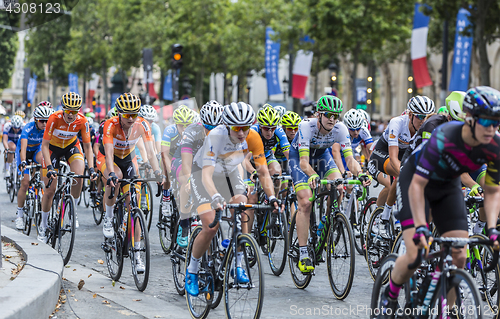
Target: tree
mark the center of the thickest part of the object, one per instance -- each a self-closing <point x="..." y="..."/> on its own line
<point x="8" y="49"/>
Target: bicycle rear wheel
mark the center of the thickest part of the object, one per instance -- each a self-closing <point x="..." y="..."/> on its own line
<point x="364" y="220"/>
<point x="113" y="249"/>
<point x="217" y="256"/>
<point x="243" y="300"/>
<point x="300" y="279"/>
<point x="28" y="213"/>
<point x="141" y="249"/>
<point x="97" y="202"/>
<point x="340" y="257"/>
<point x="65" y="237"/>
<point x="277" y="245"/>
<point x="178" y="261"/>
<point x="167" y="220"/>
<point x="147" y="204"/>
<point x="12" y="189"/>
<point x="377" y="246"/>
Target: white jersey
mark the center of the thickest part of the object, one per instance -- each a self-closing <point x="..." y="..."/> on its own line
<point x="309" y="137"/>
<point x="398" y="133"/>
<point x="364" y="137"/>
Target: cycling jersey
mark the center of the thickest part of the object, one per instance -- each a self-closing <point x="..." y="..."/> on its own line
<point x="62" y="134"/>
<point x="156" y="132"/>
<point x="364" y="138"/>
<point x="33" y="135"/>
<point x="192" y="140"/>
<point x="397" y="132"/>
<point x="278" y="139"/>
<point x="309" y="142"/>
<point x="172" y="138"/>
<point x="124" y="144"/>
<point x="9" y="131"/>
<point x="218" y="150"/>
<point x="92" y="136"/>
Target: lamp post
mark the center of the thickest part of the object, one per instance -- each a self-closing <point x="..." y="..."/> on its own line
<point x="333" y="76"/>
<point x="249" y="78"/>
<point x="285" y="85"/>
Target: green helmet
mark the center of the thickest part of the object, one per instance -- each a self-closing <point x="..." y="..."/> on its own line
<point x="443" y="109"/>
<point x="290" y="119"/>
<point x="454" y="105"/>
<point x="329" y="103"/>
<point x="268" y="116"/>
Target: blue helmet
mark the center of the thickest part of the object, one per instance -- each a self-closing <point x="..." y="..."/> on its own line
<point x="482" y="101"/>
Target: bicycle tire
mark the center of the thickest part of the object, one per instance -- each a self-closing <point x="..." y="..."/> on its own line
<point x="198" y="306"/>
<point x="277" y="245"/>
<point x="178" y="261"/>
<point x="28" y="212"/>
<point x="141" y="280"/>
<point x="86" y="189"/>
<point x="300" y="279"/>
<point x="66" y="228"/>
<point x="165" y="228"/>
<point x="376" y="246"/>
<point x="12" y="192"/>
<point x="114" y="256"/>
<point x="148" y="208"/>
<point x="98" y="206"/>
<point x="355" y="226"/>
<point x="366" y="213"/>
<point x="217" y="261"/>
<point x="340" y="233"/>
<point x="254" y="287"/>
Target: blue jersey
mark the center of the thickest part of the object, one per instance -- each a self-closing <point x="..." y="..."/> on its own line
<point x="279" y="139"/>
<point x="171" y="138"/>
<point x="9" y="131"/>
<point x="34" y="136"/>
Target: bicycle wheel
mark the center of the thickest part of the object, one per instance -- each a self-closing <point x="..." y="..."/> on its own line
<point x="141" y="249"/>
<point x="12" y="181"/>
<point x="113" y="249"/>
<point x="377" y="246"/>
<point x="364" y="220"/>
<point x="380" y="285"/>
<point x="277" y="245"/>
<point x="97" y="202"/>
<point x="167" y="220"/>
<point x="178" y="261"/>
<point x="243" y="300"/>
<point x="300" y="279"/>
<point x="355" y="226"/>
<point x="199" y="306"/>
<point x="147" y="203"/>
<point x="217" y="256"/>
<point x="399" y="247"/>
<point x="65" y="237"/>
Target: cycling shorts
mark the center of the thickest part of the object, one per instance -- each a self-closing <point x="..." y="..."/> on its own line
<point x="380" y="157"/>
<point x="444" y="199"/>
<point x="323" y="165"/>
<point x="30" y="155"/>
<point x="70" y="153"/>
<point x="202" y="200"/>
<point x="480" y="173"/>
<point x="127" y="165"/>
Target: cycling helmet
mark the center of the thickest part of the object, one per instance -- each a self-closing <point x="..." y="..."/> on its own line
<point x="454" y="105"/>
<point x="148" y="113"/>
<point x="45" y="103"/>
<point x="421" y="105"/>
<point x="354" y="119"/>
<point x="128" y="103"/>
<point x="17" y="121"/>
<point x="290" y="119"/>
<point x="196" y="117"/>
<point x="183" y="115"/>
<point x="281" y="110"/>
<point x="112" y="112"/>
<point x="239" y="114"/>
<point x="443" y="109"/>
<point x="90" y="114"/>
<point x="71" y="101"/>
<point x="268" y="116"/>
<point x="20" y="113"/>
<point x="42" y="112"/>
<point x="329" y="103"/>
<point x="90" y="120"/>
<point x="482" y="101"/>
<point x="211" y="113"/>
<point x="366" y="115"/>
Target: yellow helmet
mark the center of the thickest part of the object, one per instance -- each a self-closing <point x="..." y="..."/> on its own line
<point x="20" y="113"/>
<point x="183" y="115"/>
<point x="71" y="101"/>
<point x="128" y="103"/>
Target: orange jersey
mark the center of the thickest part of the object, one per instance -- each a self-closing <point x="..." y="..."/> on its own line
<point x="62" y="134"/>
<point x="124" y="144"/>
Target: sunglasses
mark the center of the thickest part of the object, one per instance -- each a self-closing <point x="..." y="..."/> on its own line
<point x="42" y="121"/>
<point x="355" y="129"/>
<point x="209" y="127"/>
<point x="421" y="117"/>
<point x="129" y="115"/>
<point x="487" y="122"/>
<point x="292" y="128"/>
<point x="239" y="128"/>
<point x="268" y="128"/>
<point x="70" y="112"/>
<point x="329" y="115"/>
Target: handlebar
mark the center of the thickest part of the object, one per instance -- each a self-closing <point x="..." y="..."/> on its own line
<point x="71" y="175"/>
<point x="135" y="180"/>
<point x="340" y="181"/>
<point x="242" y="206"/>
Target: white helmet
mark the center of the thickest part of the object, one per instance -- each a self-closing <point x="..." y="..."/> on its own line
<point x="421" y="105"/>
<point x="238" y="114"/>
<point x="90" y="120"/>
<point x="366" y="115"/>
<point x="148" y="112"/>
<point x="211" y="113"/>
<point x="42" y="112"/>
<point x="196" y="117"/>
<point x="354" y="119"/>
<point x="281" y="110"/>
<point x="16" y="121"/>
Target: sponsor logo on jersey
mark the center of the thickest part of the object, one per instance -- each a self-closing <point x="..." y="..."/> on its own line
<point x="423" y="170"/>
<point x="392" y="136"/>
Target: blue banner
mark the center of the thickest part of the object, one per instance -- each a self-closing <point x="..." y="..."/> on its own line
<point x="272" y="60"/>
<point x="73" y="82"/>
<point x="30" y="90"/>
<point x="459" y="80"/>
<point x="167" y="87"/>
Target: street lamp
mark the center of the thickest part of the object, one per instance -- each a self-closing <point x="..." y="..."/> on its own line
<point x="249" y="76"/>
<point x="285" y="85"/>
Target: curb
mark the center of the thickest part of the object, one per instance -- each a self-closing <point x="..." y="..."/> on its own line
<point x="34" y="293"/>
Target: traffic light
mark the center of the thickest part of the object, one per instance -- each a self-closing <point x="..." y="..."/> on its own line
<point x="94" y="102"/>
<point x="177" y="56"/>
<point x="29" y="104"/>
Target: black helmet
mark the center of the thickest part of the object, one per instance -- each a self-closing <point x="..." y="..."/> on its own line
<point x="482" y="101"/>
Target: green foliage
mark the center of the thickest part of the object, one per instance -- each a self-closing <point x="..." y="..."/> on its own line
<point x="8" y="49"/>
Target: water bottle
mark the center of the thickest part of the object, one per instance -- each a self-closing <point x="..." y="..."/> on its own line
<point x="167" y="207"/>
<point x="225" y="243"/>
<point x="144" y="203"/>
<point x="321" y="226"/>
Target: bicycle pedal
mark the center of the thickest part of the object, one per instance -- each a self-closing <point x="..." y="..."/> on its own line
<point x="106" y="248"/>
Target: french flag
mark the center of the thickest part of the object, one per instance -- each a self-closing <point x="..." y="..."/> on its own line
<point x="419" y="48"/>
<point x="301" y="72"/>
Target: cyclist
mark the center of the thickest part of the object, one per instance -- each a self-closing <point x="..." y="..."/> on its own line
<point x="281" y="109"/>
<point x="60" y="142"/>
<point x="430" y="181"/>
<point x="11" y="134"/>
<point x="21" y="114"/>
<point x="215" y="167"/>
<point x="290" y="123"/>
<point x="390" y="148"/>
<point x="149" y="113"/>
<point x="28" y="148"/>
<point x="310" y="158"/>
<point x="192" y="141"/>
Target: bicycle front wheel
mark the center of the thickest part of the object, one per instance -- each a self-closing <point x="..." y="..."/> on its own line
<point x="243" y="299"/>
<point x="140" y="250"/>
<point x="12" y="189"/>
<point x="364" y="220"/>
<point x="378" y="244"/>
<point x="147" y="203"/>
<point x="167" y="221"/>
<point x="28" y="213"/>
<point x="300" y="279"/>
<point x="113" y="249"/>
<point x="97" y="203"/>
<point x="65" y="237"/>
<point x="277" y="245"/>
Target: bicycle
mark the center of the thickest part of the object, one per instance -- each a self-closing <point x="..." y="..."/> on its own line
<point x="33" y="205"/>
<point x="123" y="242"/>
<point x="217" y="275"/>
<point x="168" y="215"/>
<point x="335" y="239"/>
<point x="96" y="198"/>
<point x="146" y="193"/>
<point x="425" y="294"/>
<point x="12" y="179"/>
<point x="62" y="222"/>
<point x="85" y="194"/>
